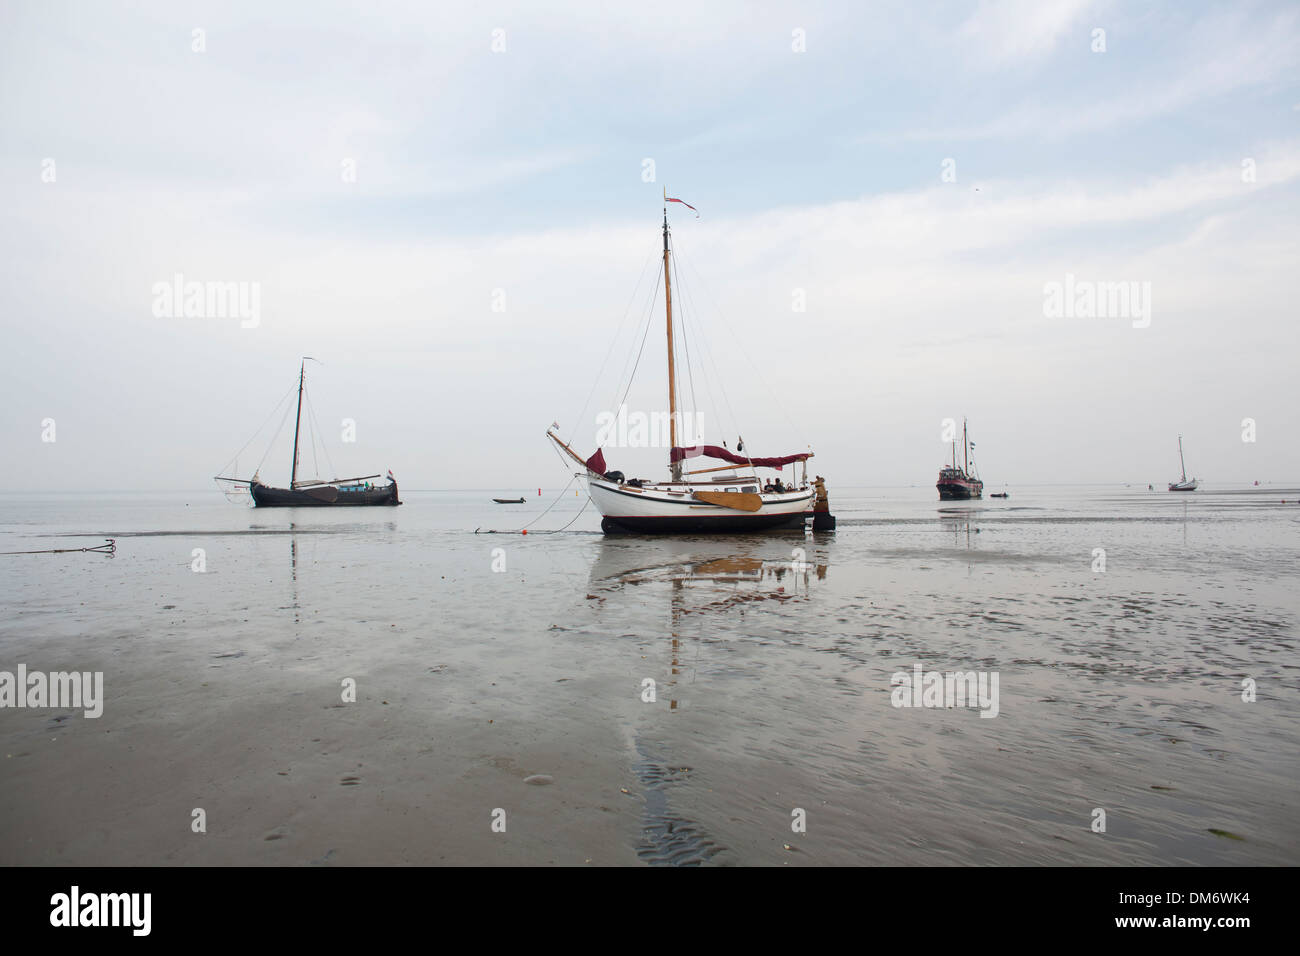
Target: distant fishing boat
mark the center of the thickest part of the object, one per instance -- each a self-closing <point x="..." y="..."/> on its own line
<point x="509" y="501"/>
<point x="1184" y="483"/>
<point x="316" y="492"/>
<point x="737" y="502"/>
<point x="960" y="484"/>
<point x="999" y="494"/>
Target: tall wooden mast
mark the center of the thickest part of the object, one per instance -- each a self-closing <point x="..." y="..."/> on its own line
<point x="965" y="448"/>
<point x="675" y="466"/>
<point x="293" y="474"/>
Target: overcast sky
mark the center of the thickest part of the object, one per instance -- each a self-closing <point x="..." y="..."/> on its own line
<point x="451" y="207"/>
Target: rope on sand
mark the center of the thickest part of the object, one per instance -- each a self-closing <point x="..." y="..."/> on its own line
<point x="108" y="547"/>
<point x="558" y="498"/>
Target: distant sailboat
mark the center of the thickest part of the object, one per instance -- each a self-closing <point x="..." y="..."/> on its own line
<point x="1184" y="484"/>
<point x="960" y="484"/>
<point x="315" y="493"/>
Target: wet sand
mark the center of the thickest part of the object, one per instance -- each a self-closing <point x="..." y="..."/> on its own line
<point x="1119" y="690"/>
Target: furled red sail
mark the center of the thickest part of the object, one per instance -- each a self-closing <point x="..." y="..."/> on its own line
<point x="596" y="462"/>
<point x="722" y="454"/>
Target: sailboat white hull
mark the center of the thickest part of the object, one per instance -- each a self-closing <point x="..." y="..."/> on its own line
<point x="1186" y="484"/>
<point x="670" y="509"/>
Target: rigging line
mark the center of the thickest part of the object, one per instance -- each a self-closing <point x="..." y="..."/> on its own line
<point x="311" y="434"/>
<point x="555" y="448"/>
<point x="311" y="411"/>
<point x="686" y="345"/>
<point x="735" y="421"/>
<point x="637" y="364"/>
<point x="610" y="351"/>
<point x="722" y="386"/>
<point x="259" y="429"/>
<point x="647" y="320"/>
<point x="703" y="344"/>
<point x="740" y="344"/>
<point x="284" y="418"/>
<point x="708" y="352"/>
<point x="316" y="429"/>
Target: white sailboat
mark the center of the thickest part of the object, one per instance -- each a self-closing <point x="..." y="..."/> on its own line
<point x="1184" y="484"/>
<point x="687" y="503"/>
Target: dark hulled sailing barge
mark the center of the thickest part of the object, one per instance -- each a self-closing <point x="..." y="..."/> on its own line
<point x="959" y="484"/>
<point x="317" y="493"/>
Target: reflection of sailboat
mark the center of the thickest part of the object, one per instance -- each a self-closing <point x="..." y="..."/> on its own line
<point x="699" y="567"/>
<point x="293" y="576"/>
<point x="315" y="492"/>
<point x="707" y="586"/>
<point x="958" y="522"/>
<point x="1183" y="484"/>
<point x="699" y="578"/>
<point x="738" y="502"/>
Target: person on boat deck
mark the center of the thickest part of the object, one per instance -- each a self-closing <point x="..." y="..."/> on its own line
<point x="767" y="487"/>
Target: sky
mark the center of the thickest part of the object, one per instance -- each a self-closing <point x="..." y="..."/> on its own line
<point x="457" y="209"/>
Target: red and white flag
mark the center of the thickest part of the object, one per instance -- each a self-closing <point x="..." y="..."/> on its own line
<point x="684" y="203"/>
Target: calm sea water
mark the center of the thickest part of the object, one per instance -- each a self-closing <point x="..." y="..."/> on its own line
<point x="503" y="680"/>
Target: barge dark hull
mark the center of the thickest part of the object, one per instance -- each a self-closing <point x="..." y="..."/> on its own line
<point x="318" y="497"/>
<point x="960" y="490"/>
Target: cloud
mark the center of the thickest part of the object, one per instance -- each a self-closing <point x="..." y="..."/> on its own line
<point x="1135" y="81"/>
<point x="1002" y="33"/>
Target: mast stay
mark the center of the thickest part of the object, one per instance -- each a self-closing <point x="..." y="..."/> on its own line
<point x="297" y="424"/>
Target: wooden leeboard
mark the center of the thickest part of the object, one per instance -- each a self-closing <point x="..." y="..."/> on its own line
<point x="739" y="500"/>
<point x="323" y="494"/>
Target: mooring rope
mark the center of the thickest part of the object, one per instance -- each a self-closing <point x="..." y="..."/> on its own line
<point x="108" y="547"/>
<point x="558" y="499"/>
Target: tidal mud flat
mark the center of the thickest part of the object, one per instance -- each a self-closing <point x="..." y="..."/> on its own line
<point x="503" y="716"/>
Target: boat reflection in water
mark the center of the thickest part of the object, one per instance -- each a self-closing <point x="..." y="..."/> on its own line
<point x="707" y="575"/>
<point x="709" y="585"/>
<point x="960" y="523"/>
